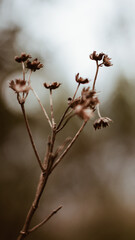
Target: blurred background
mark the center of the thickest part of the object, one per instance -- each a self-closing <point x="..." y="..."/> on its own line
<point x="96" y="181"/>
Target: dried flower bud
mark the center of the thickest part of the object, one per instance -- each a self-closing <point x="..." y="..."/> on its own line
<point x="52" y="86"/>
<point x="102" y="122"/>
<point x="87" y="93"/>
<point x="80" y="79"/>
<point x="34" y="65"/>
<point x="19" y="86"/>
<point x="93" y="102"/>
<point x="84" y="113"/>
<point x="96" y="57"/>
<point x="106" y="61"/>
<point x="88" y="98"/>
<point x="24" y="57"/>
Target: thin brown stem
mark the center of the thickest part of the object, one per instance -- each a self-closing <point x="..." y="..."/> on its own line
<point x="43" y="109"/>
<point x="69" y="146"/>
<point x="46" y="158"/>
<point x="51" y="106"/>
<point x="23" y="67"/>
<point x="62" y="118"/>
<point x="98" y="111"/>
<point x="76" y="91"/>
<point x="51" y="156"/>
<point x="40" y="188"/>
<point x="61" y="147"/>
<point x="95" y="76"/>
<point x="31" y="137"/>
<point x="66" y="122"/>
<point x="67" y="115"/>
<point x="66" y="111"/>
<point x="45" y="220"/>
<point x="29" y="77"/>
<point x="41" y="185"/>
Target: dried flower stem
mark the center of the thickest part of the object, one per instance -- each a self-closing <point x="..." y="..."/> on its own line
<point x="61" y="120"/>
<point x="46" y="158"/>
<point x="45" y="220"/>
<point x="66" y="111"/>
<point x="29" y="76"/>
<point x="82" y="106"/>
<point x="46" y="115"/>
<point x="23" y="67"/>
<point x="31" y="138"/>
<point x="98" y="111"/>
<point x="42" y="182"/>
<point x="76" y="91"/>
<point x="95" y="76"/>
<point x="61" y="147"/>
<point x="40" y="188"/>
<point x="58" y="130"/>
<point x="52" y="113"/>
<point x="69" y="146"/>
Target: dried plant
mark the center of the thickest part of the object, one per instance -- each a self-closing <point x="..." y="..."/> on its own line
<point x="83" y="106"/>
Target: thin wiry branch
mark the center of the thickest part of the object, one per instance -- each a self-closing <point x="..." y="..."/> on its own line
<point x="46" y="115"/>
<point x="31" y="137"/>
<point x="76" y="91"/>
<point x="63" y="116"/>
<point x="69" y="146"/>
<point x="95" y="75"/>
<point x="66" y="122"/>
<point x="44" y="221"/>
<point x="61" y="147"/>
<point x="51" y="106"/>
<point x="23" y="67"/>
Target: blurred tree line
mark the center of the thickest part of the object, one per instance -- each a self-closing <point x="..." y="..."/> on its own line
<point x="91" y="183"/>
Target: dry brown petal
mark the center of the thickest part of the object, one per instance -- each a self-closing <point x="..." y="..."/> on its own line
<point x="80" y="79"/>
<point x="106" y="61"/>
<point x="52" y="86"/>
<point x="19" y="86"/>
<point x="87" y="93"/>
<point x="102" y="122"/>
<point x="24" y="57"/>
<point x="34" y="65"/>
<point x="96" y="57"/>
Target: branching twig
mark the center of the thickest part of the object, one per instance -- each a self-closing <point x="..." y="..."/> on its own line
<point x="58" y="130"/>
<point x="82" y="106"/>
<point x="46" y="115"/>
<point x="62" y="118"/>
<point x="51" y="105"/>
<point x="42" y="182"/>
<point x="44" y="221"/>
<point x="69" y="146"/>
<point x="66" y="111"/>
<point x="31" y="138"/>
<point x="76" y="91"/>
<point x="61" y="147"/>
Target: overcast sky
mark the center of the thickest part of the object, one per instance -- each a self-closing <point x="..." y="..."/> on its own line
<point x="71" y="30"/>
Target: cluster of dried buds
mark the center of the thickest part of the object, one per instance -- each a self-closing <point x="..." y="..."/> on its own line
<point x="83" y="106"/>
<point x="23" y="86"/>
<point x="101" y="56"/>
<point x="32" y="65"/>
